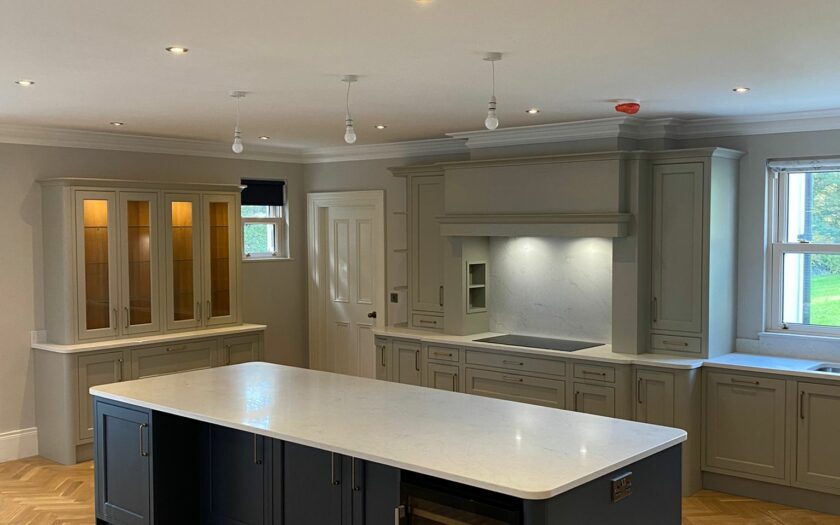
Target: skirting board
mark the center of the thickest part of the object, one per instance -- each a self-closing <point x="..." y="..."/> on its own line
<point x="784" y="495"/>
<point x="18" y="444"/>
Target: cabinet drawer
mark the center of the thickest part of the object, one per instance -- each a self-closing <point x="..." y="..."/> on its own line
<point x="517" y="362"/>
<point x="517" y="387"/>
<point x="595" y="372"/>
<point x="170" y="359"/>
<point x="429" y="322"/>
<point x="443" y="353"/>
<point x="675" y="343"/>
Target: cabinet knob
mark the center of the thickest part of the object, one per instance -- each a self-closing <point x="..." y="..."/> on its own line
<point x="371" y="315"/>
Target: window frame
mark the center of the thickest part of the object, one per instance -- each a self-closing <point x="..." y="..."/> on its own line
<point x="281" y="231"/>
<point x="778" y="246"/>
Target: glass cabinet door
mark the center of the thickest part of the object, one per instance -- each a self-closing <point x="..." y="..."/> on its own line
<point x="139" y="256"/>
<point x="221" y="255"/>
<point x="183" y="261"/>
<point x="96" y="255"/>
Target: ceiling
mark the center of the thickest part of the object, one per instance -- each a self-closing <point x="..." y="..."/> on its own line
<point x="420" y="66"/>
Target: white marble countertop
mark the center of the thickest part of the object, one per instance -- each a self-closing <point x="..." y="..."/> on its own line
<point x="142" y="340"/>
<point x="788" y="366"/>
<point x="526" y="451"/>
<point x="601" y="352"/>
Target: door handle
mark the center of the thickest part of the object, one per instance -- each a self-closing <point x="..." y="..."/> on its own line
<point x="257" y="459"/>
<point x="371" y="315"/>
<point x="417" y="360"/>
<point x="802" y="405"/>
<point x="209" y="311"/>
<point x="745" y="382"/>
<point x="440" y="295"/>
<point x="575" y="403"/>
<point x="120" y="369"/>
<point x="382" y="360"/>
<point x="333" y="480"/>
<point x="353" y="485"/>
<point x="198" y="310"/>
<point x="655" y="309"/>
<point x="227" y="354"/>
<point x="512" y="379"/>
<point x="126" y="322"/>
<point x="143" y="451"/>
<point x="454" y="382"/>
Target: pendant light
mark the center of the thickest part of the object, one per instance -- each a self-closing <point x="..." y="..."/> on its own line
<point x="492" y="121"/>
<point x="237" y="146"/>
<point x="349" y="132"/>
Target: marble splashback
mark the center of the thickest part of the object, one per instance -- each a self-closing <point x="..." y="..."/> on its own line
<point x="554" y="287"/>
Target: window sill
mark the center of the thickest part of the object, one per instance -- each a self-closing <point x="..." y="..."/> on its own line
<point x="266" y="259"/>
<point x="798" y="345"/>
<point x="785" y="335"/>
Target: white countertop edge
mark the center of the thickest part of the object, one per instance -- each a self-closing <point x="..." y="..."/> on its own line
<point x="420" y="469"/>
<point x="148" y="340"/>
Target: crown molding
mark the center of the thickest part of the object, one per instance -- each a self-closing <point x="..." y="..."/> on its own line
<point x="391" y="150"/>
<point x="71" y="138"/>
<point x="459" y="143"/>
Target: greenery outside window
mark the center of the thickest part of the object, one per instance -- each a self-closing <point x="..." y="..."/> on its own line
<point x="265" y="223"/>
<point x="805" y="249"/>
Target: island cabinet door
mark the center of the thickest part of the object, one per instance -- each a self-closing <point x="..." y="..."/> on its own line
<point x="312" y="485"/>
<point x="236" y="477"/>
<point x="123" y="465"/>
<point x="371" y="493"/>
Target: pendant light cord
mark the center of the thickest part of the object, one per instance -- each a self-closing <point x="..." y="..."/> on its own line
<point x="493" y="69"/>
<point x="237" y="112"/>
<point x="348" y="98"/>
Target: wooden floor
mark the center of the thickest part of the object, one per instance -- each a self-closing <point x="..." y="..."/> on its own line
<point x="37" y="491"/>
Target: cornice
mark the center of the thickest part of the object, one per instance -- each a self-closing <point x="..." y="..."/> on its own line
<point x="459" y="143"/>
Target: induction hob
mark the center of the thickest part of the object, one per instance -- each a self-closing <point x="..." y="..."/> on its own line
<point x="546" y="343"/>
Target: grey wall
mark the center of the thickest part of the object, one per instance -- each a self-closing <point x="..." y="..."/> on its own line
<point x="274" y="293"/>
<point x="752" y="208"/>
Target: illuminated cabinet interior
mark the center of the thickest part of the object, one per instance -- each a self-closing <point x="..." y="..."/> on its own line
<point x="123" y="259"/>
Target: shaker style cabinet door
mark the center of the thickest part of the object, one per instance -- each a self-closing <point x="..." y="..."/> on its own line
<point x="654" y="399"/>
<point x="123" y="465"/>
<point x="426" y="244"/>
<point x="97" y="286"/>
<point x="443" y="377"/>
<point x="746" y="424"/>
<point x="312" y="485"/>
<point x="95" y="370"/>
<point x="408" y="363"/>
<point x="594" y="399"/>
<point x="677" y="257"/>
<point x="240" y="349"/>
<point x="139" y="256"/>
<point x="183" y="261"/>
<point x="818" y="456"/>
<point x="221" y="256"/>
<point x="383" y="358"/>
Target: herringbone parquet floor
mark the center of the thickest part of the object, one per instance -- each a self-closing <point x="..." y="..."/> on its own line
<point x="35" y="491"/>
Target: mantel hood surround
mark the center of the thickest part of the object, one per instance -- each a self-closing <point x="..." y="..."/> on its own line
<point x="577" y="195"/>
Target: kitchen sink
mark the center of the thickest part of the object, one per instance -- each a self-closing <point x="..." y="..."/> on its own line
<point x="830" y="368"/>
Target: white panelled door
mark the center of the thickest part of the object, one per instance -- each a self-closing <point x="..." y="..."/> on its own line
<point x="351" y="287"/>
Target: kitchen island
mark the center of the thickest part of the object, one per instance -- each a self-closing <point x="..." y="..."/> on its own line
<point x="267" y="444"/>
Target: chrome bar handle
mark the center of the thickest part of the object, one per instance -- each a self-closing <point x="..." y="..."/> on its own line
<point x="143" y="451"/>
<point x="802" y="405"/>
<point x="639" y="391"/>
<point x="333" y="481"/>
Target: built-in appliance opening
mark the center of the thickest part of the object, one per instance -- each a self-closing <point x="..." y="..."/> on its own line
<point x="430" y="501"/>
<point x="546" y="343"/>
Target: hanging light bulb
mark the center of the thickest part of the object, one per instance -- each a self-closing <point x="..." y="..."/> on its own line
<point x="237" y="146"/>
<point x="349" y="131"/>
<point x="492" y="121"/>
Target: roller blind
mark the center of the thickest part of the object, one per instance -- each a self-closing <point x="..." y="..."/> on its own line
<point x="257" y="192"/>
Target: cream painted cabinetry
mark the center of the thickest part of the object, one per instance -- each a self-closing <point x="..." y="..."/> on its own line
<point x="654" y="397"/>
<point x="63" y="405"/>
<point x="594" y="399"/>
<point x="818" y="437"/>
<point x="516" y="387"/>
<point x="124" y="258"/>
<point x="746" y="425"/>
<point x="384" y="358"/>
<point x="443" y="377"/>
<point x="693" y="251"/>
<point x="408" y="366"/>
<point x="427" y="249"/>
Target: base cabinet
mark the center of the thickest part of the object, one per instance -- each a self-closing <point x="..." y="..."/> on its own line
<point x="746" y="424"/>
<point x="407" y="363"/>
<point x="654" y="397"/>
<point x="594" y="399"/>
<point x="516" y="387"/>
<point x="443" y="377"/>
<point x="818" y="431"/>
<point x="123" y="472"/>
<point x="233" y="459"/>
<point x="95" y="370"/>
<point x="240" y="349"/>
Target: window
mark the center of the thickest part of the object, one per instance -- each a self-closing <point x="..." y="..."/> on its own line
<point x="265" y="220"/>
<point x="805" y="248"/>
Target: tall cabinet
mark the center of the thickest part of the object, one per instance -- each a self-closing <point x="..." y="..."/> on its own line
<point x="693" y="251"/>
<point x="124" y="258"/>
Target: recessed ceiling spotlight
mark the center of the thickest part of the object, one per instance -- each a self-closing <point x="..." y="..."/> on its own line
<point x="380" y="126"/>
<point x="532" y="111"/>
<point x="263" y="137"/>
<point x="424" y="2"/>
<point x="741" y="90"/>
<point x="117" y="123"/>
<point x="24" y="82"/>
<point x="177" y="50"/>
